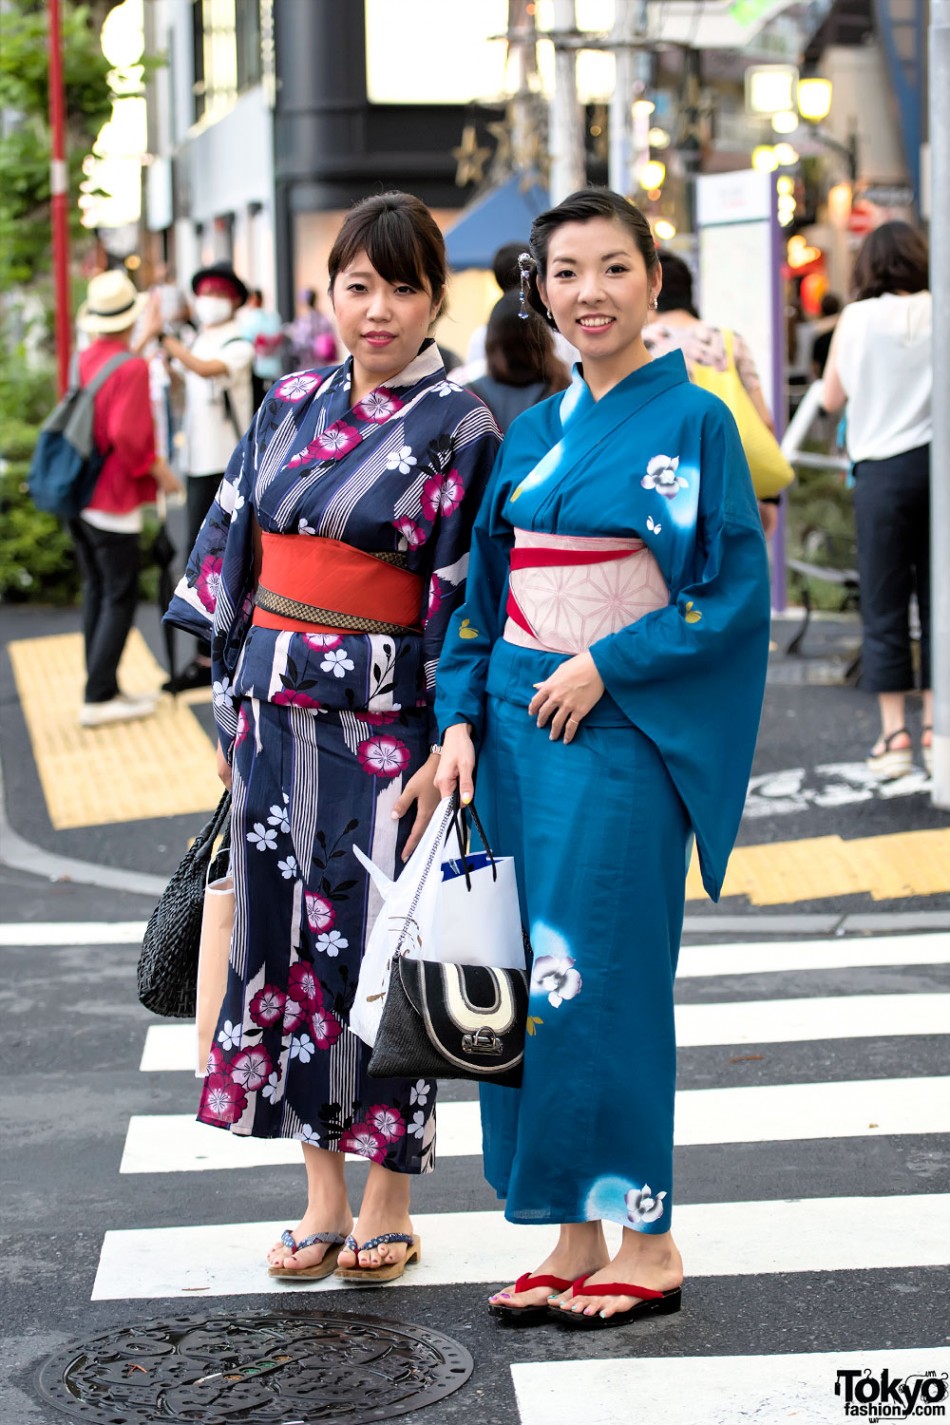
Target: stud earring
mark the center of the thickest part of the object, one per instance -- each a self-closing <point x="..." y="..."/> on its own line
<point x="524" y="279"/>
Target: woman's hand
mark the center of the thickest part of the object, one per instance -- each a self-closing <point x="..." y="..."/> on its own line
<point x="223" y="767"/>
<point x="420" y="789"/>
<point x="457" y="763"/>
<point x="567" y="696"/>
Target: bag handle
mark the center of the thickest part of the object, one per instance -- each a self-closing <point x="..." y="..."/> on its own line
<point x="214" y="828"/>
<point x="458" y="824"/>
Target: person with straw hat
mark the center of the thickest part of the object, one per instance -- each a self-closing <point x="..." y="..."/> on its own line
<point x="107" y="533"/>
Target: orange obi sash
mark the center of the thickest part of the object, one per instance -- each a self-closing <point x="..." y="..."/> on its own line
<point x="312" y="585"/>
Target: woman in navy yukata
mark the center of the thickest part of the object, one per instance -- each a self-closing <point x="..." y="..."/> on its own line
<point x="607" y="669"/>
<point x="324" y="577"/>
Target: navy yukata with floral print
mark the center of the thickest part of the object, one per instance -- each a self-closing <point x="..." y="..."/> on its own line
<point x="323" y="730"/>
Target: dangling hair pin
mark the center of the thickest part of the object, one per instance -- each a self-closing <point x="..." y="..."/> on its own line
<point x="525" y="263"/>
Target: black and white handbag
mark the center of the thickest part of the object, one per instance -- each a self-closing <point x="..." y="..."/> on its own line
<point x="443" y="1020"/>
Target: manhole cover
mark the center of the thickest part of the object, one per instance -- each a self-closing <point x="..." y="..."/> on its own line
<point x="260" y="1370"/>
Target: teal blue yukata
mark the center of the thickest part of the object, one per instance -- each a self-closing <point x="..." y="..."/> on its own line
<point x="602" y="828"/>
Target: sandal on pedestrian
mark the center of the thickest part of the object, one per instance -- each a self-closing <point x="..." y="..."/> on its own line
<point x="388" y="1271"/>
<point x="926" y="748"/>
<point x="654" y="1303"/>
<point x="333" y="1241"/>
<point x="891" y="762"/>
<point x="537" y="1312"/>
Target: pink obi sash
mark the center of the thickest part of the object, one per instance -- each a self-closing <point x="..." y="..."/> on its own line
<point x="566" y="592"/>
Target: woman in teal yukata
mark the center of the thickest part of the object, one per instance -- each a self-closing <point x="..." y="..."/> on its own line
<point x="607" y="669"/>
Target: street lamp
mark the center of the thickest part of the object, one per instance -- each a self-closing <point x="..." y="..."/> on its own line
<point x="814" y="104"/>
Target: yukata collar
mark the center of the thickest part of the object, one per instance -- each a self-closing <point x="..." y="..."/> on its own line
<point x="634" y="391"/>
<point x="426" y="363"/>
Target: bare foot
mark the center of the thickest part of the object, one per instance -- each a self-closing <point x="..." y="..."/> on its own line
<point x="644" y="1259"/>
<point x="312" y="1221"/>
<point x="580" y="1249"/>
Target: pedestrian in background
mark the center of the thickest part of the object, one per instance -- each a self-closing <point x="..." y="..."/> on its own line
<point x="107" y="534"/>
<point x="507" y="273"/>
<point x="218" y="408"/>
<point x="823" y="332"/>
<point x="264" y="329"/>
<point x="607" y="667"/>
<point x="881" y="364"/>
<point x="522" y="366"/>
<point x="679" y="327"/>
<point x="311" y="335"/>
<point x="329" y="567"/>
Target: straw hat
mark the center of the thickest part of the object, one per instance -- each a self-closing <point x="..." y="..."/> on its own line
<point x="112" y="304"/>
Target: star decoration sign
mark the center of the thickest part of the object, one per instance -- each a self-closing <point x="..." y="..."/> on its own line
<point x="470" y="158"/>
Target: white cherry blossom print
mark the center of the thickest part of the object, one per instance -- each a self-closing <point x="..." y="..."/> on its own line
<point x="643" y="1205"/>
<point x="661" y="476"/>
<point x="337" y="663"/>
<point x="238" y="507"/>
<point x="308" y="1134"/>
<point x="331" y="943"/>
<point x="652" y="525"/>
<point x="280" y="816"/>
<point x="272" y="1090"/>
<point x="419" y="1093"/>
<point x="303" y="1048"/>
<point x="221" y="693"/>
<point x="303" y="527"/>
<point x="288" y="869"/>
<point x="402" y="460"/>
<point x="418" y="1125"/>
<point x="263" y="837"/>
<point x="229" y="1035"/>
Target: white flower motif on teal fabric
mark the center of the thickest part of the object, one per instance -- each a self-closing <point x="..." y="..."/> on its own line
<point x="643" y="1205"/>
<point x="661" y="476"/>
<point x="555" y="976"/>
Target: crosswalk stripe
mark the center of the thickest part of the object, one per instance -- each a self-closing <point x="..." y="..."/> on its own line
<point x="176" y="1143"/>
<point x="70" y="932"/>
<point x="679" y="1390"/>
<point x="839" y="954"/>
<point x="716" y="1239"/>
<point x="782" y="1021"/>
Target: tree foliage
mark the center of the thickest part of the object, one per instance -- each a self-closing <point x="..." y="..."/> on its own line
<point x="25" y="249"/>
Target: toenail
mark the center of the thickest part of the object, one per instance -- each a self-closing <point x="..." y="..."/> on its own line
<point x="578" y="1307"/>
<point x="603" y="1316"/>
<point x="588" y="1311"/>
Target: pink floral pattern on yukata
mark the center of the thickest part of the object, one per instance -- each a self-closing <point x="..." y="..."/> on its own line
<point x="365" y="1141"/>
<point x="209" y="581"/>
<point x="293" y="697"/>
<point x="412" y="533"/>
<point x="320" y="912"/>
<point x="442" y="492"/>
<point x="383" y="756"/>
<point x="378" y="406"/>
<point x="296" y="387"/>
<point x="267" y="1006"/>
<point x="387" y="1121"/>
<point x="319" y="641"/>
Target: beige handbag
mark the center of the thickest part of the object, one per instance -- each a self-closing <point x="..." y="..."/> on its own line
<point x="217" y="923"/>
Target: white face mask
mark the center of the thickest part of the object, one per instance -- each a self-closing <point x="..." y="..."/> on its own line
<point x="212" y="311"/>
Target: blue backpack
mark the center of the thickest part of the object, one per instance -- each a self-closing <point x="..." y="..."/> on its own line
<point x="66" y="463"/>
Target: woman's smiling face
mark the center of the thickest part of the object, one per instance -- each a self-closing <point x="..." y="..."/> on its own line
<point x="382" y="324"/>
<point x="598" y="289"/>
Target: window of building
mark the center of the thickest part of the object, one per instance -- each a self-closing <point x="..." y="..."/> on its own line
<point x="227" y="39"/>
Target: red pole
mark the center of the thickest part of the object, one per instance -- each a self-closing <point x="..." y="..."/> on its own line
<point x="59" y="203"/>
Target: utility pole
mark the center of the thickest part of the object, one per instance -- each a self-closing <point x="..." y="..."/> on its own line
<point x="627" y="148"/>
<point x="567" y="132"/>
<point x="59" y="196"/>
<point x="939" y="87"/>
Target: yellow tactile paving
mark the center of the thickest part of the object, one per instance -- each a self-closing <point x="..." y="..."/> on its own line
<point x="909" y="863"/>
<point x="160" y="766"/>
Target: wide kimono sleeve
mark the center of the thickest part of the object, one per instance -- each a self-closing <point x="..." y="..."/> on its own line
<point x="691" y="676"/>
<point x="477" y="623"/>
<point x="214" y="599"/>
<point x="458" y="495"/>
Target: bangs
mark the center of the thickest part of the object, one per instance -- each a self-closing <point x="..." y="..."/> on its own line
<point x="392" y="245"/>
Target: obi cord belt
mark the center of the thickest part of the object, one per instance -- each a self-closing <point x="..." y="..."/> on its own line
<point x="313" y="585"/>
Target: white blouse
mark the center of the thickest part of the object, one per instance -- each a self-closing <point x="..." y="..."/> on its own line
<point x="884" y="359"/>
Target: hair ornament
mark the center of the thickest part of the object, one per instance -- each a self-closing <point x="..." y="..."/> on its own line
<point x="525" y="264"/>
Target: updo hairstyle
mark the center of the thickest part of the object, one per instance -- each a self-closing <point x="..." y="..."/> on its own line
<point x="582" y="207"/>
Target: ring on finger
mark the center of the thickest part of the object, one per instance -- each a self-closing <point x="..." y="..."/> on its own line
<point x="572" y="721"/>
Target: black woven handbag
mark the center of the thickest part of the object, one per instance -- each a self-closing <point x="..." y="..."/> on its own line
<point x="447" y="1021"/>
<point x="168" y="964"/>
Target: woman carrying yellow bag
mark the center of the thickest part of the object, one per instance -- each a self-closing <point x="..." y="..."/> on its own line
<point x="720" y="362"/>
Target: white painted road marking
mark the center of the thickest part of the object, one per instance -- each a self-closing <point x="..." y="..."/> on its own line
<point x="716" y="1239"/>
<point x="719" y="1390"/>
<point x="832" y="784"/>
<point x="176" y="1143"/>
